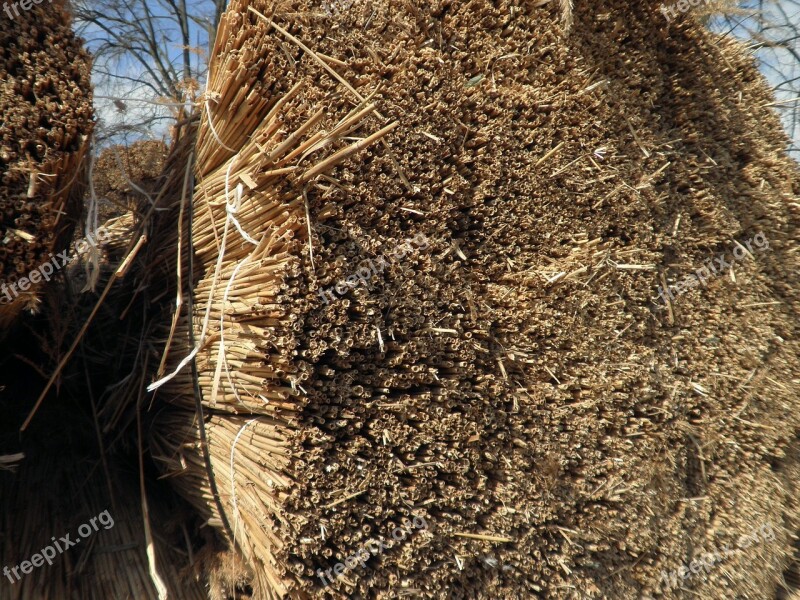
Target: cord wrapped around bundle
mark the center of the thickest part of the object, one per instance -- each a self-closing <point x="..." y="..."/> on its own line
<point x="259" y="148"/>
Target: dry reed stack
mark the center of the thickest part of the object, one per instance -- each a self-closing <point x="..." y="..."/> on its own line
<point x="120" y="171"/>
<point x="81" y="451"/>
<point x="46" y="108"/>
<point x="514" y="380"/>
<point x="259" y="149"/>
<point x="47" y="500"/>
<point x="60" y="478"/>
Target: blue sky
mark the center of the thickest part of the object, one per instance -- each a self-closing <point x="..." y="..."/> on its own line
<point x="772" y="21"/>
<point x="125" y="97"/>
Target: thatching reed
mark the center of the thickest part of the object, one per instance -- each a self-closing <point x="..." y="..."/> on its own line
<point x="46" y="108"/>
<point x="248" y="226"/>
<point x="517" y="383"/>
<point x="118" y="168"/>
<point x="45" y="500"/>
<point x="82" y="453"/>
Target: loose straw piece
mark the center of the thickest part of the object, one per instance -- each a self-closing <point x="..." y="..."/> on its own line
<point x="486" y="538"/>
<point x="233" y="477"/>
<point x="117" y="274"/>
<point x="344" y="153"/>
<point x="178" y="271"/>
<point x="158" y="582"/>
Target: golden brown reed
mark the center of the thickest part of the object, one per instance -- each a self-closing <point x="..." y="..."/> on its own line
<point x="45" y="129"/>
<point x="253" y="162"/>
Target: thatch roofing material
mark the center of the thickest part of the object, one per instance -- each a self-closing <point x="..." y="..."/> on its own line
<point x="53" y="498"/>
<point x="249" y="213"/>
<point x="518" y="383"/>
<point x="120" y="171"/>
<point x="46" y="108"/>
<point x="519" y="379"/>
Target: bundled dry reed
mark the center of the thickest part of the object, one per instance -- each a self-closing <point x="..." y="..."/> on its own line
<point x="515" y="384"/>
<point x="258" y="148"/>
<point x="46" y="108"/>
<point x="489" y="384"/>
<point x="48" y="498"/>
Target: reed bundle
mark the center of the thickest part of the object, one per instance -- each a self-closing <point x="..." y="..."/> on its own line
<point x="259" y="147"/>
<point x="489" y="382"/>
<point x="504" y="371"/>
<point x="46" y="108"/>
<point x="120" y="171"/>
<point x="50" y="499"/>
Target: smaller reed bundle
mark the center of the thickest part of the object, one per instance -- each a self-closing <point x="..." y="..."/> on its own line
<point x="46" y="108"/>
<point x="122" y="175"/>
<point x="80" y="455"/>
